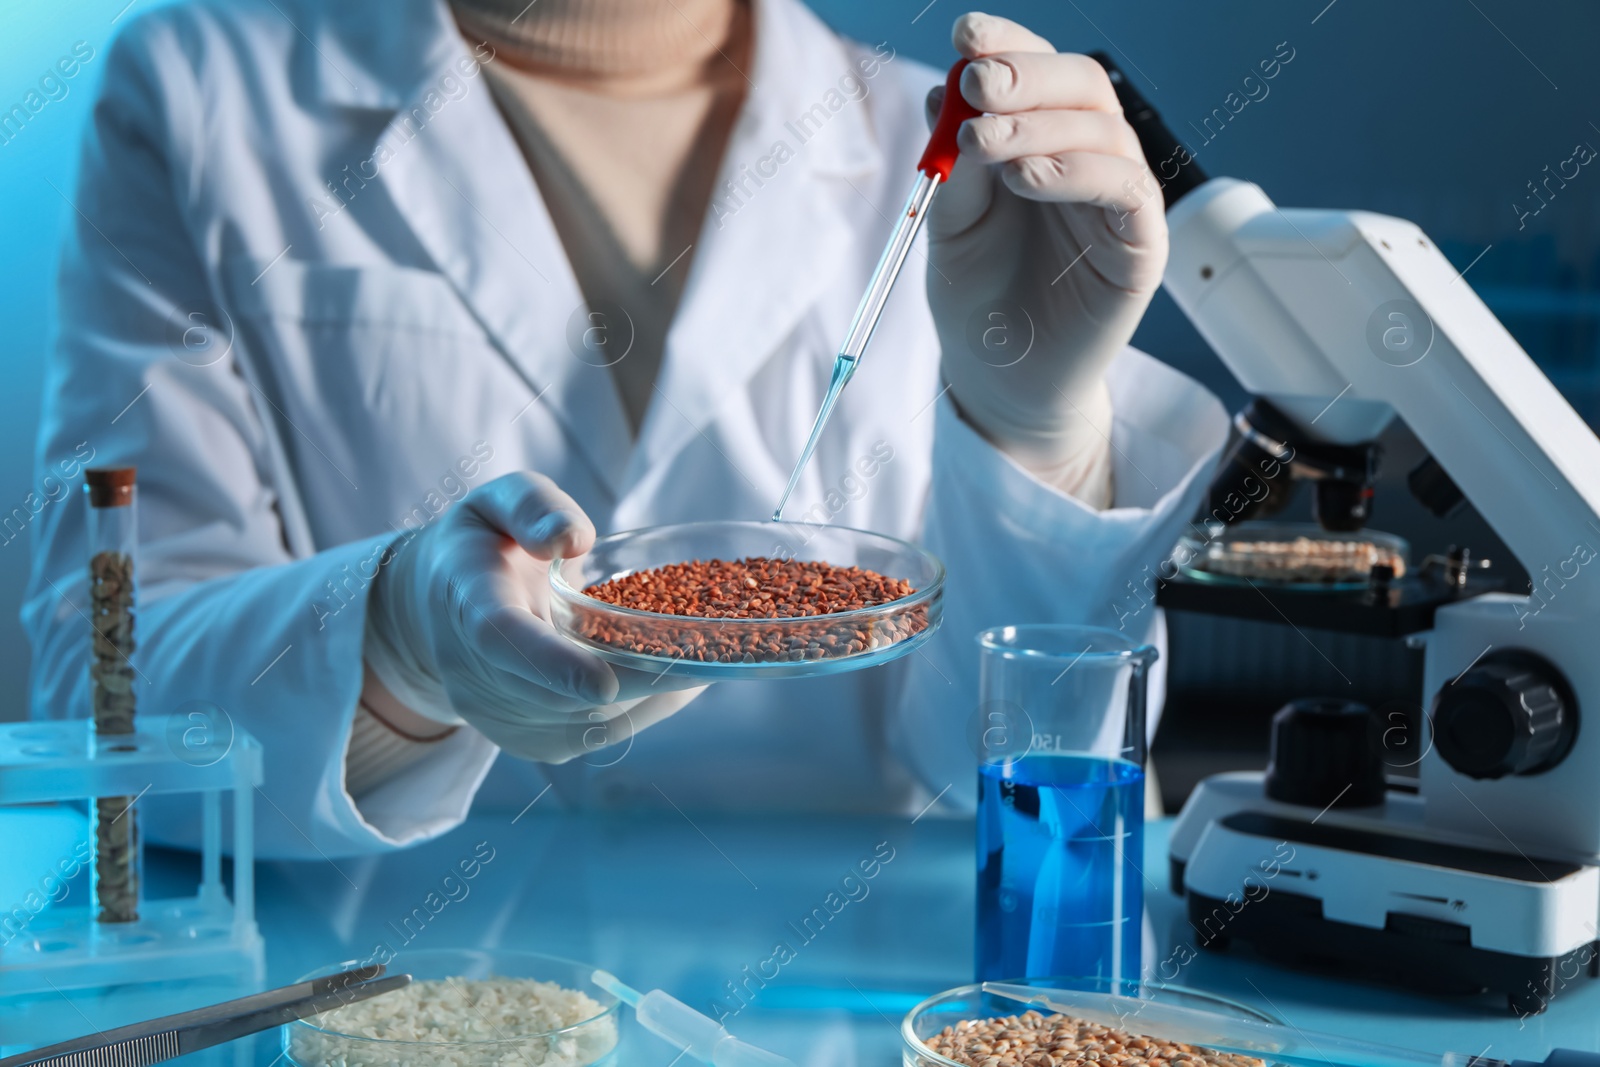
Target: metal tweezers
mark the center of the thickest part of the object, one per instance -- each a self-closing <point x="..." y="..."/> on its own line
<point x="155" y="1040"/>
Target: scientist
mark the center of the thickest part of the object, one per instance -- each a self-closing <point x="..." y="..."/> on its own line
<point x="392" y="302"/>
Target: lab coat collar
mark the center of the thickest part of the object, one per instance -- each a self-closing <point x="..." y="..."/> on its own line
<point x="774" y="235"/>
<point x="798" y="61"/>
<point x="767" y="249"/>
<point x="461" y="184"/>
<point x="371" y="56"/>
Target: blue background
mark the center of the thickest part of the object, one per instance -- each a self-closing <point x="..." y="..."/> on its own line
<point x="1441" y="111"/>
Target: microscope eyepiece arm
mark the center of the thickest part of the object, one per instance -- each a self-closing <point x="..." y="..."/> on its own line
<point x="1341" y="319"/>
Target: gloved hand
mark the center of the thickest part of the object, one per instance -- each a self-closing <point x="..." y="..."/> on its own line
<point x="458" y="629"/>
<point x="1049" y="239"/>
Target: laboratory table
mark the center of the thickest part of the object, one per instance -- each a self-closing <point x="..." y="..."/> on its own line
<point x="697" y="905"/>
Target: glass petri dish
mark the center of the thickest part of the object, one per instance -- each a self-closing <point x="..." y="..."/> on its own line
<point x="331" y="1040"/>
<point x="1289" y="555"/>
<point x="754" y="648"/>
<point x="969" y="1002"/>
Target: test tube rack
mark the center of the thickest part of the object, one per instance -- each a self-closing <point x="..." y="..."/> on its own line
<point x="62" y="947"/>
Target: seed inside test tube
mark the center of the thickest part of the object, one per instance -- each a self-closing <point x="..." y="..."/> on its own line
<point x="111" y="675"/>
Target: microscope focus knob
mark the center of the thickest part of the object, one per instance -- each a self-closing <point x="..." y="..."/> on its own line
<point x="1511" y="713"/>
<point x="1323" y="755"/>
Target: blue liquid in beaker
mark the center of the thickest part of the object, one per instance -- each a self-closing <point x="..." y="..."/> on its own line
<point x="1060" y="849"/>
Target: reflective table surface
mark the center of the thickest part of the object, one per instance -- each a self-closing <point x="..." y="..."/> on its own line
<point x="774" y="920"/>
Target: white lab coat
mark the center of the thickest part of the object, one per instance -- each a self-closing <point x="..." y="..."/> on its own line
<point x="372" y="356"/>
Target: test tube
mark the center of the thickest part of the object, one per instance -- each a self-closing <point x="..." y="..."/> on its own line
<point x="114" y="881"/>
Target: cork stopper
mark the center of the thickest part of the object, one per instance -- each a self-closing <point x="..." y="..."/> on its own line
<point x="109" y="487"/>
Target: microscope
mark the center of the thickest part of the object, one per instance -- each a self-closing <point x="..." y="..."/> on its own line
<point x="1483" y="871"/>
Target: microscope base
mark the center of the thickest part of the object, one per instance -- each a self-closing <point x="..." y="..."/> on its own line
<point x="1417" y="953"/>
<point x="1375" y="892"/>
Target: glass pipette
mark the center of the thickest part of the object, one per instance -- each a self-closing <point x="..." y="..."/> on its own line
<point x="932" y="168"/>
<point x="700" y="1036"/>
<point x="1251" y="1037"/>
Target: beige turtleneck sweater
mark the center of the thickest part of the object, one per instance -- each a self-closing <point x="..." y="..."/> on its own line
<point x="622" y="108"/>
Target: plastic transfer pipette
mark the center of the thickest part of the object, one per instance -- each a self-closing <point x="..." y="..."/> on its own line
<point x="700" y="1036"/>
<point x="932" y="168"/>
<point x="1251" y="1037"/>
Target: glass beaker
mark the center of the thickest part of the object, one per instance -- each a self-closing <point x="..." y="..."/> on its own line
<point x="1061" y="747"/>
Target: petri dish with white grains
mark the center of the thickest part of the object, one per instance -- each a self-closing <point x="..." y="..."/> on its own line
<point x="466" y="1008"/>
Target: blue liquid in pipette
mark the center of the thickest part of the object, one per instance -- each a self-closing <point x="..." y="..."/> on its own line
<point x="843" y="368"/>
<point x="1060" y="847"/>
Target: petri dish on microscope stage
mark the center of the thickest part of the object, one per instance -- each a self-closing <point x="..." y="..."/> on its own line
<point x="725" y="648"/>
<point x="1289" y="555"/>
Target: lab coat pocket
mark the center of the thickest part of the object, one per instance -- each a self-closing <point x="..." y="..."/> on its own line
<point x="376" y="374"/>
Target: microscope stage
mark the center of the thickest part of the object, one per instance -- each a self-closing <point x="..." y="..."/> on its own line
<point x="1406" y="606"/>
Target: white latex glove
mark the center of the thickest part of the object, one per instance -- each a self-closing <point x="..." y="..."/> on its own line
<point x="458" y="629"/>
<point x="1050" y="178"/>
